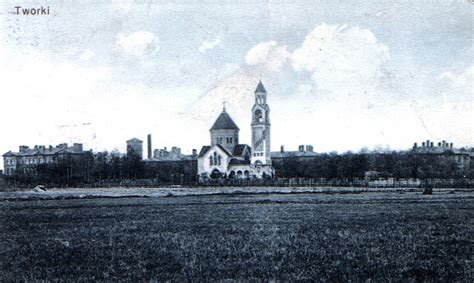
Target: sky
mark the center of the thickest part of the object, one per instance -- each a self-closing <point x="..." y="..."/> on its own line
<point x="340" y="75"/>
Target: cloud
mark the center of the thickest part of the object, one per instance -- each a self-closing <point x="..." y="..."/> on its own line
<point x="138" y="43"/>
<point x="342" y="58"/>
<point x="269" y="54"/>
<point x="463" y="80"/>
<point x="210" y="44"/>
<point x="122" y="5"/>
<point x="87" y="55"/>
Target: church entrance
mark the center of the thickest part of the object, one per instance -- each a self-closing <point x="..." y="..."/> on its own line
<point x="216" y="174"/>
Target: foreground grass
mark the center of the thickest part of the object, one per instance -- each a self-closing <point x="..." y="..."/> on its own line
<point x="282" y="237"/>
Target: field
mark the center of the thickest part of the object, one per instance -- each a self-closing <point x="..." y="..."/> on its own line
<point x="301" y="236"/>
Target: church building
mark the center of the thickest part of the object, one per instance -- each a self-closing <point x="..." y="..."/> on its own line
<point x="227" y="158"/>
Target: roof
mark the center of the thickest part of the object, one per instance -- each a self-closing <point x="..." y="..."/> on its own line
<point x="235" y="161"/>
<point x="278" y="154"/>
<point x="206" y="148"/>
<point x="203" y="151"/>
<point x="439" y="150"/>
<point x="134" y="140"/>
<point x="224" y="149"/>
<point x="260" y="87"/>
<point x="240" y="149"/>
<point x="43" y="151"/>
<point x="224" y="122"/>
<point x="9" y="153"/>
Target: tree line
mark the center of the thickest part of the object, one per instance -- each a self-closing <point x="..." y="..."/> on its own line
<point x="89" y="169"/>
<point x="356" y="165"/>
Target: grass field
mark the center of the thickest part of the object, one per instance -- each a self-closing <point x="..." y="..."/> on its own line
<point x="324" y="237"/>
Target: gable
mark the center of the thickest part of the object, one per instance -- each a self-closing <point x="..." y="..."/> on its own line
<point x="207" y="150"/>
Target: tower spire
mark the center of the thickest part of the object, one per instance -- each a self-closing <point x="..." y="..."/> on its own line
<point x="260" y="87"/>
<point x="223" y="106"/>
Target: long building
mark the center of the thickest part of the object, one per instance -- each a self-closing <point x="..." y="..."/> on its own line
<point x="26" y="159"/>
<point x="447" y="152"/>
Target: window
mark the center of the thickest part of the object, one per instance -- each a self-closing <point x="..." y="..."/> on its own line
<point x="218" y="160"/>
<point x="258" y="116"/>
<point x="230" y="139"/>
<point x="210" y="161"/>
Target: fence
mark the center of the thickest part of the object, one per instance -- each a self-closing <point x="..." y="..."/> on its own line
<point x="355" y="182"/>
<point x="277" y="182"/>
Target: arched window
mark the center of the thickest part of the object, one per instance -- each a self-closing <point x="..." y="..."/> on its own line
<point x="218" y="160"/>
<point x="210" y="161"/>
<point x="258" y="115"/>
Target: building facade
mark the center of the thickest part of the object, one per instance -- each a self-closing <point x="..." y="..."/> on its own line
<point x="26" y="159"/>
<point x="225" y="157"/>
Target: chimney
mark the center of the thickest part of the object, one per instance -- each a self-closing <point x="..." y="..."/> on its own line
<point x="309" y="148"/>
<point x="451" y="145"/>
<point x="195" y="153"/>
<point x="301" y="148"/>
<point x="149" y="146"/>
<point x="415" y="146"/>
<point x="439" y="144"/>
<point x="282" y="149"/>
<point x="62" y="145"/>
<point x="23" y="148"/>
<point x="432" y="144"/>
<point x="423" y="144"/>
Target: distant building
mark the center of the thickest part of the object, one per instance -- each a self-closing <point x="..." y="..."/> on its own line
<point x="135" y="146"/>
<point x="303" y="151"/>
<point x="27" y="158"/>
<point x="175" y="154"/>
<point x="445" y="150"/>
<point x="164" y="154"/>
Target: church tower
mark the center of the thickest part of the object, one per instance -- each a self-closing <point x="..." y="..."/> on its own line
<point x="260" y="158"/>
<point x="225" y="132"/>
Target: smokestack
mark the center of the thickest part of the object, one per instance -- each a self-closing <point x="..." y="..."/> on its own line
<point x="282" y="149"/>
<point x="149" y="146"/>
